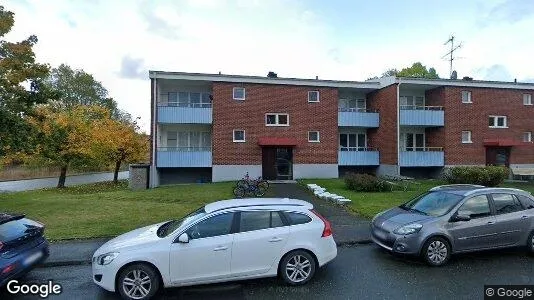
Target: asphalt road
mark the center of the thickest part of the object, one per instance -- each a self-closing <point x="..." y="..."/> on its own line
<point x="359" y="272"/>
<point x="41" y="183"/>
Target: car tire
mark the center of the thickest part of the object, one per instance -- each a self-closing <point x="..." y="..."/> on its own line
<point x="530" y="243"/>
<point x="436" y="251"/>
<point x="297" y="267"/>
<point x="138" y="281"/>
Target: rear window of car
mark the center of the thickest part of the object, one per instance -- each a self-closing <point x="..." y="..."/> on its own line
<point x="13" y="230"/>
<point x="525" y="201"/>
<point x="297" y="218"/>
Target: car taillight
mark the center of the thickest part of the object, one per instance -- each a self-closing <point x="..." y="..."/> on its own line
<point x="8" y="269"/>
<point x="327" y="231"/>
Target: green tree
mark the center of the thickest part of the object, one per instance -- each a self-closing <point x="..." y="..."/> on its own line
<point x="21" y="87"/>
<point x="417" y="70"/>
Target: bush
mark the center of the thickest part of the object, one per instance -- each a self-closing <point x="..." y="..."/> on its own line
<point x="487" y="176"/>
<point x="365" y="183"/>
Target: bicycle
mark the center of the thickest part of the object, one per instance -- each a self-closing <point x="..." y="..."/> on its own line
<point x="246" y="186"/>
<point x="245" y="181"/>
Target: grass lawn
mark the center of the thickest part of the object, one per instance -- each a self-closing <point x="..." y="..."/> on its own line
<point x="369" y="204"/>
<point x="104" y="209"/>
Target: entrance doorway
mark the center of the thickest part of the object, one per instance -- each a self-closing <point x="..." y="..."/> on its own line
<point x="498" y="156"/>
<point x="277" y="163"/>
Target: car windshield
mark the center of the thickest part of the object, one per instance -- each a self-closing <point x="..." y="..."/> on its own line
<point x="433" y="203"/>
<point x="169" y="227"/>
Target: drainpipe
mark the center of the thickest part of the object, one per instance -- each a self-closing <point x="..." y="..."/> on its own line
<point x="398" y="127"/>
<point x="154" y="124"/>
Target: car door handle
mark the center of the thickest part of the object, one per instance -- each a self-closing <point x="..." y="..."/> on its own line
<point x="220" y="248"/>
<point x="491" y="222"/>
<point x="524" y="217"/>
<point x="275" y="239"/>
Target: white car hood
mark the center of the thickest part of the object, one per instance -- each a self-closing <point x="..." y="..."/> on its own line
<point x="133" y="239"/>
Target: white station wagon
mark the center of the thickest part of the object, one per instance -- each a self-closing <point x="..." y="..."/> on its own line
<point x="223" y="241"/>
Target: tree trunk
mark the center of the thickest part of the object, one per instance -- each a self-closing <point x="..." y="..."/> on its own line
<point x="62" y="177"/>
<point x="116" y="174"/>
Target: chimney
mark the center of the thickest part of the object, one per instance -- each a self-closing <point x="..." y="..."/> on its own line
<point x="219" y="72"/>
<point x="272" y="74"/>
<point x="467" y="78"/>
<point x="454" y="75"/>
<point x="316" y="77"/>
<point x="515" y="80"/>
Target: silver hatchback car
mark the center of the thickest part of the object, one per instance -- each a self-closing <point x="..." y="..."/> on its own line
<point x="457" y="218"/>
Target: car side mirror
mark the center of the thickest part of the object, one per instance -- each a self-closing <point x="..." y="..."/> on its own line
<point x="461" y="217"/>
<point x="183" y="238"/>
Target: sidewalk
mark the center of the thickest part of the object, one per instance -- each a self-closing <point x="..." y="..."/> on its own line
<point x="348" y="228"/>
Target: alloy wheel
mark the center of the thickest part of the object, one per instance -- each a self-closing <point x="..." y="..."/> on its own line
<point x="298" y="268"/>
<point x="437" y="252"/>
<point x="137" y="284"/>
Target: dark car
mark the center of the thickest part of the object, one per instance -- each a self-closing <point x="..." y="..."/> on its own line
<point x="22" y="246"/>
<point x="457" y="218"/>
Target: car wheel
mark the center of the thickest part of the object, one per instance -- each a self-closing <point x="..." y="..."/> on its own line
<point x="436" y="251"/>
<point x="297" y="267"/>
<point x="139" y="282"/>
<point x="530" y="243"/>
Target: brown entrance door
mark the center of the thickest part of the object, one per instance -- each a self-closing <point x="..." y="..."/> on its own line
<point x="268" y="167"/>
<point x="498" y="156"/>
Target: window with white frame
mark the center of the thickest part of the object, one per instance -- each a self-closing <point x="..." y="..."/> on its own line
<point x="352" y="142"/>
<point x="466" y="97"/>
<point x="189" y="99"/>
<point x="466" y="137"/>
<point x="238" y="93"/>
<point x="412" y="141"/>
<point x="276" y="120"/>
<point x="352" y="105"/>
<point x="498" y="122"/>
<point x="527" y="137"/>
<point x="527" y="99"/>
<point x="313" y="136"/>
<point x="412" y="102"/>
<point x="188" y="141"/>
<point x="313" y="96"/>
<point x="239" y="136"/>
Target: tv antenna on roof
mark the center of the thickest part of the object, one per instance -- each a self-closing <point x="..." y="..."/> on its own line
<point x="450" y="54"/>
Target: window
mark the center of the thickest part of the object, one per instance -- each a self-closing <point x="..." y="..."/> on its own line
<point x="239" y="136"/>
<point x="352" y="142"/>
<point x="313" y="96"/>
<point x="506" y="203"/>
<point x="276" y="120"/>
<point x="527" y="99"/>
<point x="498" y="122"/>
<point x="297" y="218"/>
<point x="213" y="226"/>
<point x="257" y="220"/>
<point x="352" y="105"/>
<point x="188" y="141"/>
<point x="525" y="201"/>
<point x="238" y="93"/>
<point x="412" y="102"/>
<point x="413" y="142"/>
<point x="476" y="207"/>
<point x="173" y="99"/>
<point x="527" y="137"/>
<point x="171" y="139"/>
<point x="313" y="136"/>
<point x="466" y="97"/>
<point x="466" y="137"/>
<point x="189" y="99"/>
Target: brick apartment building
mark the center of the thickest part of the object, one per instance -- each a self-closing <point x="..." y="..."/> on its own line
<point x="213" y="127"/>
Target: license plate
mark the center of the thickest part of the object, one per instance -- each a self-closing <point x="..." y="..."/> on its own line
<point x="32" y="258"/>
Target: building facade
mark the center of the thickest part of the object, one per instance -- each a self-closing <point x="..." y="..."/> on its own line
<point x="213" y="127"/>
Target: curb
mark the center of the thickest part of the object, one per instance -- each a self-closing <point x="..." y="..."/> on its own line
<point x="353" y="243"/>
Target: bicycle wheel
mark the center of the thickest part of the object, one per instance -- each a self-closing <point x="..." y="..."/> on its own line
<point x="264" y="184"/>
<point x="241" y="183"/>
<point x="239" y="192"/>
<point x="259" y="191"/>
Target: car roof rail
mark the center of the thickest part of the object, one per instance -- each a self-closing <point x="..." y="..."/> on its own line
<point x="460" y="186"/>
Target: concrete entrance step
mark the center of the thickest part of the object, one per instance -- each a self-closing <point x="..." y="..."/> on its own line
<point x="281" y="181"/>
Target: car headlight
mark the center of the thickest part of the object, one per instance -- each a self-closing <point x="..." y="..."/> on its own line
<point x="409" y="229"/>
<point x="378" y="215"/>
<point x="107" y="258"/>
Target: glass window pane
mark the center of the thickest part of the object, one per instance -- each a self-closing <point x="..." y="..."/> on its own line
<point x="271" y="119"/>
<point x="171" y="138"/>
<point x="183" y="139"/>
<point x="352" y="140"/>
<point x="173" y="99"/>
<point x="214" y="226"/>
<point x="403" y="101"/>
<point x="409" y="142"/>
<point x="298" y="218"/>
<point x="525" y="201"/>
<point x="239" y="93"/>
<point x="239" y="135"/>
<point x="254" y="220"/>
<point x="506" y="203"/>
<point x="194" y="139"/>
<point x="491" y="121"/>
<point x="313" y="96"/>
<point x="183" y="99"/>
<point x="282" y="119"/>
<point x="206" y="139"/>
<point x="343" y="140"/>
<point x="420" y="141"/>
<point x="195" y="99"/>
<point x="313" y="136"/>
<point x="419" y="101"/>
<point x="361" y="104"/>
<point x="353" y="104"/>
<point x="475" y="207"/>
<point x="361" y="141"/>
<point x="343" y="103"/>
<point x="276" y="220"/>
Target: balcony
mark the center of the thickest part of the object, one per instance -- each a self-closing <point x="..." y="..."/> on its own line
<point x="362" y="157"/>
<point x="182" y="157"/>
<point x="413" y="115"/>
<point x="423" y="157"/>
<point x="185" y="114"/>
<point x="357" y="117"/>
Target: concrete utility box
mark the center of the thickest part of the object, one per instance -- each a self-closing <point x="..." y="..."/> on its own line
<point x="139" y="176"/>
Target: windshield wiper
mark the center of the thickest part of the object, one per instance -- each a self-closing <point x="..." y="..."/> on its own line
<point x="418" y="211"/>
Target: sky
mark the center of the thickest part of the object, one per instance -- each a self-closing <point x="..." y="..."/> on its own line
<point x="119" y="41"/>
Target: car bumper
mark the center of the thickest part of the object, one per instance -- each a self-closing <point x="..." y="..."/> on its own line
<point x="20" y="267"/>
<point x="406" y="244"/>
<point x="327" y="251"/>
<point x="104" y="276"/>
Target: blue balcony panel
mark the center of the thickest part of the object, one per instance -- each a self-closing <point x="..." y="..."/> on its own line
<point x="422" y="117"/>
<point x="358" y="119"/>
<point x="184" y="115"/>
<point x="180" y="159"/>
<point x="422" y="159"/>
<point x="358" y="158"/>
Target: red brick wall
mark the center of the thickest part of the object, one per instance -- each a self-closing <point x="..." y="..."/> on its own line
<point x="385" y="137"/>
<point x="474" y="117"/>
<point x="229" y="114"/>
<point x="435" y="136"/>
